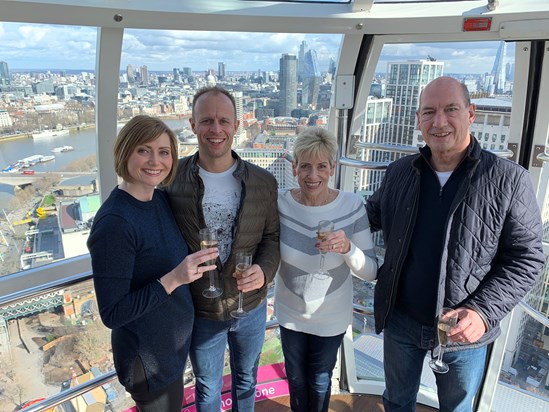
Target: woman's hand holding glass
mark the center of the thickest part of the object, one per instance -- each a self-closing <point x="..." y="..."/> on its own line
<point x="208" y="239"/>
<point x="336" y="242"/>
<point x="190" y="269"/>
<point x="323" y="231"/>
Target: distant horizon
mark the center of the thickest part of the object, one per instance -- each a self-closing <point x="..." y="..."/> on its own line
<point x="78" y="71"/>
<point x="24" y="46"/>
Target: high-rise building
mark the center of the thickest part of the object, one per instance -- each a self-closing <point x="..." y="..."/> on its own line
<point x="300" y="60"/>
<point x="492" y="123"/>
<point x="176" y="75"/>
<point x="311" y="79"/>
<point x="499" y="71"/>
<point x="375" y="129"/>
<point x="187" y="71"/>
<point x="276" y="161"/>
<point x="221" y="70"/>
<point x="405" y="81"/>
<point x="240" y="135"/>
<point x="332" y="67"/>
<point x="288" y="84"/>
<point x="5" y="119"/>
<point x="129" y="74"/>
<point x="4" y="74"/>
<point x="145" y="75"/>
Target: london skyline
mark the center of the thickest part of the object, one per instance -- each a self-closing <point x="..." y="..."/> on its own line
<point x="40" y="46"/>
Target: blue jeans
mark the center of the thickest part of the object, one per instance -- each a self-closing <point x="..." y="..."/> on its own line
<point x="309" y="361"/>
<point x="405" y="344"/>
<point x="245" y="337"/>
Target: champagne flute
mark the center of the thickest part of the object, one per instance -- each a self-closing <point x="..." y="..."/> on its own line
<point x="447" y="319"/>
<point x="208" y="239"/>
<point x="243" y="262"/>
<point x="325" y="228"/>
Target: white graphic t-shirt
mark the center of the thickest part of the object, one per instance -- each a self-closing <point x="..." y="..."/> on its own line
<point x="220" y="205"/>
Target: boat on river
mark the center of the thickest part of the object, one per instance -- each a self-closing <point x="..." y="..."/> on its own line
<point x="34" y="159"/>
<point x="62" y="149"/>
<point x="50" y="133"/>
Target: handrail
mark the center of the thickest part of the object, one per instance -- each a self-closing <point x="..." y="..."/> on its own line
<point x="48" y="287"/>
<point x="360" y="164"/>
<point x="534" y="313"/>
<point x="396" y="148"/>
<point x="73" y="392"/>
<point x="538" y="316"/>
<point x="362" y="310"/>
<point x="544" y="157"/>
<point x="387" y="147"/>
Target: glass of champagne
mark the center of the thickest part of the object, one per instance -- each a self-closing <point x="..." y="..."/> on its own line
<point x="447" y="319"/>
<point x="243" y="262"/>
<point x="325" y="228"/>
<point x="208" y="239"/>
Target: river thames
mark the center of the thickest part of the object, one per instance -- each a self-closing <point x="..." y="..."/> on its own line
<point x="83" y="142"/>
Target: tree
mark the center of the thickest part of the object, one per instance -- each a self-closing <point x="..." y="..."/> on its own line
<point x="11" y="389"/>
<point x="84" y="164"/>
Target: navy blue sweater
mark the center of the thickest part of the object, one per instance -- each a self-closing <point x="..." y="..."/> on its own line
<point x="132" y="244"/>
<point x="419" y="282"/>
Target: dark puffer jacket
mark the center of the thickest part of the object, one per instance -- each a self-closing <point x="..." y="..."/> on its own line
<point x="492" y="252"/>
<point x="256" y="230"/>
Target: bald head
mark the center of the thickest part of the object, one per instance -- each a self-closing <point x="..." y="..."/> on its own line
<point x="443" y="85"/>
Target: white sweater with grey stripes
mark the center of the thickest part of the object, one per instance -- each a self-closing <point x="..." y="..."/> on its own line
<point x="304" y="302"/>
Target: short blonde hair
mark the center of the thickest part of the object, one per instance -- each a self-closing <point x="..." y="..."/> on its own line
<point x="316" y="142"/>
<point x="139" y="130"/>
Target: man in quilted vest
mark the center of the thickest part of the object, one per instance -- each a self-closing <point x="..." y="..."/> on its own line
<point x="462" y="230"/>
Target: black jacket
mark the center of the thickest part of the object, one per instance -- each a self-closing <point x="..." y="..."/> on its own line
<point x="492" y="252"/>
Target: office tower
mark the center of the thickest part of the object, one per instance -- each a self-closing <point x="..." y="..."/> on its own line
<point x="240" y="135"/>
<point x="276" y="161"/>
<point x="187" y="71"/>
<point x="405" y="81"/>
<point x="332" y="67"/>
<point x="144" y="75"/>
<point x="492" y="123"/>
<point x="510" y="71"/>
<point x="300" y="60"/>
<point x="311" y="79"/>
<point x="176" y="75"/>
<point x="288" y="84"/>
<point x="4" y="74"/>
<point x="129" y="73"/>
<point x="5" y="119"/>
<point x="498" y="70"/>
<point x="375" y="129"/>
<point x="221" y="68"/>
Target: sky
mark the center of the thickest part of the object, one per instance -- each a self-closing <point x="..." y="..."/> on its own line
<point x="40" y="46"/>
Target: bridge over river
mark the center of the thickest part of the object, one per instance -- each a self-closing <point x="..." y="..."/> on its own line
<point x="18" y="179"/>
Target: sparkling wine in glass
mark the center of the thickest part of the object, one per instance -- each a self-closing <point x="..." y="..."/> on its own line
<point x="208" y="239"/>
<point x="243" y="263"/>
<point x="447" y="319"/>
<point x="325" y="228"/>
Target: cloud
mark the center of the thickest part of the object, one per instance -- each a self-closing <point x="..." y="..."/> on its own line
<point x="40" y="46"/>
<point x="458" y="57"/>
